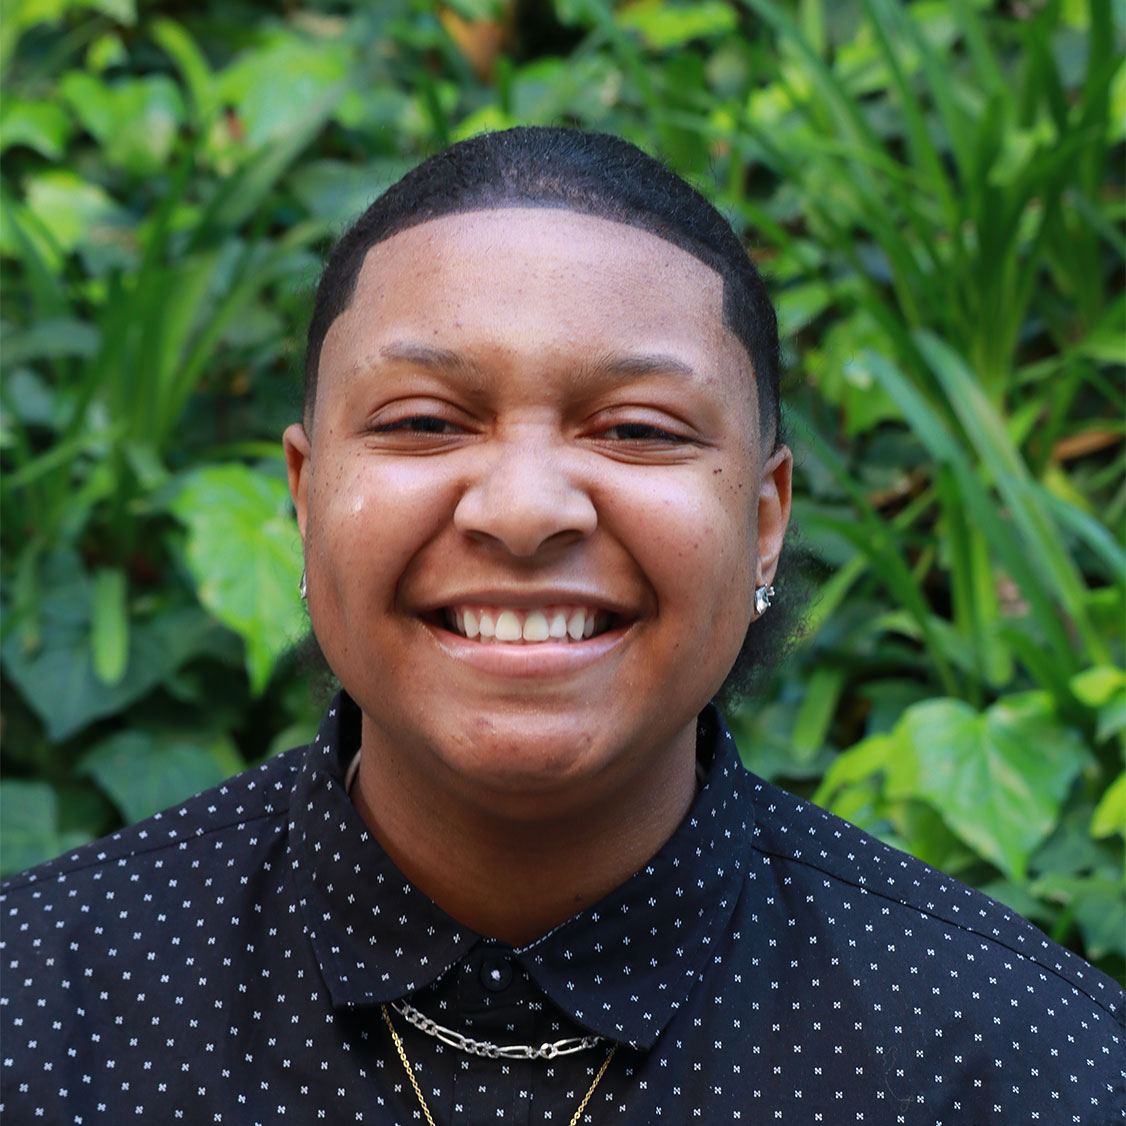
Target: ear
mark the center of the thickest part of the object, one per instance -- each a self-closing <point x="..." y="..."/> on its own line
<point x="299" y="464"/>
<point x="773" y="512"/>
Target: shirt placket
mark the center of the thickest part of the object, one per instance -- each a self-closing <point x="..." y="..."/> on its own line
<point x="493" y="1003"/>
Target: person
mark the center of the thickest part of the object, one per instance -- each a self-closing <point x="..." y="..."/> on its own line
<point x="521" y="875"/>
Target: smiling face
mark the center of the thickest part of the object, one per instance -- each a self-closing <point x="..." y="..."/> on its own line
<point x="533" y="501"/>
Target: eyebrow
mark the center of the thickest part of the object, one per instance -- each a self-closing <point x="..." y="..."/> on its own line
<point x="427" y="356"/>
<point x="640" y="363"/>
<point x="625" y="366"/>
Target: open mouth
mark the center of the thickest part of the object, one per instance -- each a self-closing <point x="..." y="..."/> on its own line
<point x="527" y="627"/>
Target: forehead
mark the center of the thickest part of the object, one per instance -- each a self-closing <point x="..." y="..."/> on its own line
<point x="537" y="278"/>
<point x="554" y="230"/>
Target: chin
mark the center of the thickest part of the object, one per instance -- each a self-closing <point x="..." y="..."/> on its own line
<point x="520" y="760"/>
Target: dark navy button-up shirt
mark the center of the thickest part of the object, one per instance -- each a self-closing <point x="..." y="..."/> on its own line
<point x="225" y="962"/>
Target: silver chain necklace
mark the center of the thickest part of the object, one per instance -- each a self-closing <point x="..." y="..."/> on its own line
<point x="423" y="1023"/>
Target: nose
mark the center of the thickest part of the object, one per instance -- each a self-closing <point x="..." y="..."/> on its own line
<point x="524" y="497"/>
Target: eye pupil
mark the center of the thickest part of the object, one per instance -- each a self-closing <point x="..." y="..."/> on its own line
<point x="641" y="431"/>
<point x="418" y="424"/>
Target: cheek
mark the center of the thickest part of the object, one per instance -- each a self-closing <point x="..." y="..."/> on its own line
<point x="367" y="519"/>
<point x="696" y="541"/>
<point x="728" y="566"/>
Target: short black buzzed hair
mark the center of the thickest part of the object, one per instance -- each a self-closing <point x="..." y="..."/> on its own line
<point x="590" y="173"/>
<point x="609" y="178"/>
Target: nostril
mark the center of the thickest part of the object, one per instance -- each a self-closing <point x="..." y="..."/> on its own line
<point x="525" y="508"/>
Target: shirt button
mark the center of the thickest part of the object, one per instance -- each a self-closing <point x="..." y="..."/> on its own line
<point x="496" y="973"/>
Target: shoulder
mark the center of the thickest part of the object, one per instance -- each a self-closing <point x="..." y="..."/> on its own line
<point x="909" y="910"/>
<point x="243" y="806"/>
<point x="159" y="915"/>
<point x="856" y="960"/>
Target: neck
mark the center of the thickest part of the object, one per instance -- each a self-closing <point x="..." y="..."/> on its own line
<point x="513" y="867"/>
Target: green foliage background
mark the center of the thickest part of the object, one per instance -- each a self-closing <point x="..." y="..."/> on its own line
<point x="935" y="192"/>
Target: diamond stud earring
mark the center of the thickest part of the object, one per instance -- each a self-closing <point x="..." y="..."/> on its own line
<point x="763" y="595"/>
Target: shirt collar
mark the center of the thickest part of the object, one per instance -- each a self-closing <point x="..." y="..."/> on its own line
<point x="621" y="968"/>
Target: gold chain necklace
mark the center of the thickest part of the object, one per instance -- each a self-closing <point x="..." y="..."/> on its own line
<point x="422" y="1101"/>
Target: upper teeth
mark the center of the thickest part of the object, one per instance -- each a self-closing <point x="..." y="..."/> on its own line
<point x="552" y="623"/>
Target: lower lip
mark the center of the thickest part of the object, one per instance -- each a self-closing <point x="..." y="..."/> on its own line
<point x="534" y="659"/>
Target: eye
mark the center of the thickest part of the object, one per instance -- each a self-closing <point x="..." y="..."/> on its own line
<point x="417" y="424"/>
<point x="642" y="432"/>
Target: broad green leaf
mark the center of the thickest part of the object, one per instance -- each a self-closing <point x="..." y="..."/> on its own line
<point x="135" y="120"/>
<point x="26" y="396"/>
<point x="58" y="681"/>
<point x="244" y="552"/>
<point x="143" y="773"/>
<point x="371" y="111"/>
<point x="1110" y="814"/>
<point x="663" y="24"/>
<point x="123" y="11"/>
<point x="338" y="190"/>
<point x="866" y="758"/>
<point x="29" y="826"/>
<point x="51" y="339"/>
<point x="1100" y="912"/>
<point x="863" y="806"/>
<point x="998" y="778"/>
<point x="1099" y="685"/>
<point x="42" y="126"/>
<point x="72" y="210"/>
<point x="834" y="366"/>
<point x="20" y="14"/>
<point x="798" y="305"/>
<point x="56" y="678"/>
<point x="1097" y="904"/>
<point x="488" y="119"/>
<point x="1018" y="897"/>
<point x="84" y="809"/>
<point x="274" y="85"/>
<point x="922" y="832"/>
<point x="91" y="99"/>
<point x="582" y="12"/>
<point x="1111" y="718"/>
<point x="105" y="52"/>
<point x="27" y="13"/>
<point x="887" y="700"/>
<point x="1104" y="689"/>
